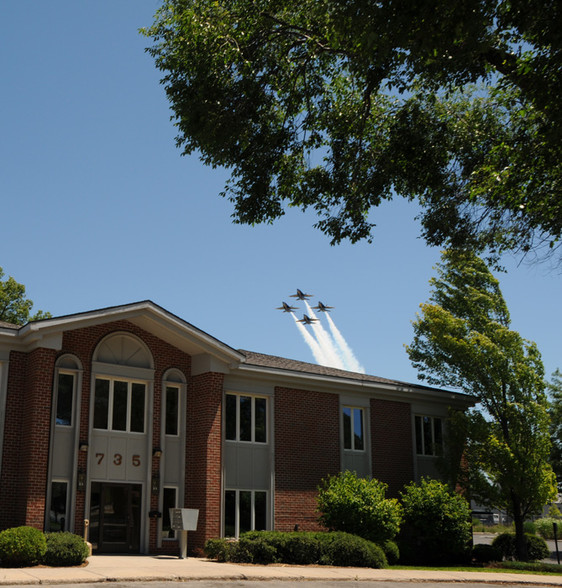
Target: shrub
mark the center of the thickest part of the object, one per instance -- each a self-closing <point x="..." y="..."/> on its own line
<point x="21" y="546"/>
<point x="544" y="527"/>
<point x="358" y="506"/>
<point x="537" y="548"/>
<point x="391" y="551"/>
<point x="437" y="525"/>
<point x="65" y="549"/>
<point x="263" y="547"/>
<point x="343" y="549"/>
<point x="482" y="553"/>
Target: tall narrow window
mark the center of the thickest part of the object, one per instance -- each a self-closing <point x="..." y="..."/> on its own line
<point x="65" y="394"/>
<point x="169" y="501"/>
<point x="429" y="435"/>
<point x="172" y="411"/>
<point x="58" y="520"/>
<point x="246" y="418"/>
<point x="353" y="428"/>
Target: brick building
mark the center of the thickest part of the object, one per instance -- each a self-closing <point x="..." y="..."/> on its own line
<point x="116" y="415"/>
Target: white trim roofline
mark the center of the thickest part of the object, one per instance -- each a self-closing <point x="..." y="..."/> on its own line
<point x="145" y="314"/>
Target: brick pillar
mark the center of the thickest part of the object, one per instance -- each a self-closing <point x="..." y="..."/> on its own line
<point x="307" y="449"/>
<point x="392" y="453"/>
<point x="26" y="449"/>
<point x="203" y="456"/>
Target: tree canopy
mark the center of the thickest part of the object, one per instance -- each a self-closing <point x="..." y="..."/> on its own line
<point x="462" y="339"/>
<point x="15" y="307"/>
<point x="337" y="106"/>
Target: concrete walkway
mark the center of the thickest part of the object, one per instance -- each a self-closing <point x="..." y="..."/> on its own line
<point x="127" y="568"/>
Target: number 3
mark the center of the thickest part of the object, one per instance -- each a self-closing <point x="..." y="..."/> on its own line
<point x="117" y="459"/>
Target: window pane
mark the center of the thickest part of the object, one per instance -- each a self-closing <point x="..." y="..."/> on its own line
<point x="245" y="511"/>
<point x="64" y="399"/>
<point x="419" y="440"/>
<point x="172" y="398"/>
<point x="168" y="503"/>
<point x="260" y="433"/>
<point x="359" y="442"/>
<point x="346" y="427"/>
<point x="119" y="406"/>
<point x="57" y="518"/>
<point x="438" y="436"/>
<point x="260" y="511"/>
<point x="230" y="418"/>
<point x="230" y="513"/>
<point x="137" y="408"/>
<point x="427" y="436"/>
<point x="245" y="418"/>
<point x="101" y="404"/>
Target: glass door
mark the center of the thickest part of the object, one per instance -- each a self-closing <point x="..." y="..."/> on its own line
<point x="115" y="517"/>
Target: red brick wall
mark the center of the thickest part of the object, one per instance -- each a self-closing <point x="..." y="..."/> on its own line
<point x="307" y="449"/>
<point x="392" y="453"/>
<point x="23" y="487"/>
<point x="203" y="456"/>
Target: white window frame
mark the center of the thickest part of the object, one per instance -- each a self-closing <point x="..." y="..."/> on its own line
<point x="74" y="374"/>
<point x="253" y="398"/>
<point x="427" y="453"/>
<point x="352" y="427"/>
<point x="237" y="509"/>
<point x="129" y="382"/>
<point x="169" y="487"/>
<point x="66" y="506"/>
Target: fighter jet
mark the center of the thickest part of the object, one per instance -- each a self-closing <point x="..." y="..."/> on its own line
<point x="307" y="320"/>
<point x="301" y="295"/>
<point x="286" y="307"/>
<point x="322" y="307"/>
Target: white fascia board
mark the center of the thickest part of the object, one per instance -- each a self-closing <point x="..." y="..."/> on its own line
<point x="147" y="315"/>
<point x="381" y="390"/>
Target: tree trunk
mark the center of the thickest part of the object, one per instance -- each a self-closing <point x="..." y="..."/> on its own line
<point x="520" y="543"/>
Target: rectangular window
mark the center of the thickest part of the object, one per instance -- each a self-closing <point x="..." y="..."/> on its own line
<point x="169" y="501"/>
<point x="58" y="520"/>
<point x="353" y="428"/>
<point x="172" y="411"/>
<point x="246" y="418"/>
<point x="429" y="435"/>
<point x="120" y="403"/>
<point x="244" y="510"/>
<point x="65" y="394"/>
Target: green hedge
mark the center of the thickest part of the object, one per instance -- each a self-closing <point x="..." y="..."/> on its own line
<point x="65" y="549"/>
<point x="21" y="547"/>
<point x="537" y="548"/>
<point x="298" y="548"/>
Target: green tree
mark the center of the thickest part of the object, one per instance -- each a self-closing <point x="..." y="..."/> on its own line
<point x="555" y="410"/>
<point x="358" y="506"/>
<point x="15" y="307"/>
<point x="462" y="339"/>
<point x="338" y="106"/>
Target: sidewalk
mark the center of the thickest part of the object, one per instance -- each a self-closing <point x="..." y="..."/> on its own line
<point x="127" y="568"/>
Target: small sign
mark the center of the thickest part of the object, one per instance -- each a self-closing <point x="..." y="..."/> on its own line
<point x="184" y="519"/>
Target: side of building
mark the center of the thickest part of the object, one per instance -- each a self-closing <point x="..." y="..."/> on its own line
<point x="116" y="415"/>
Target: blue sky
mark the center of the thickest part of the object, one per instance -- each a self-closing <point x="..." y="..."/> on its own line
<point x="99" y="208"/>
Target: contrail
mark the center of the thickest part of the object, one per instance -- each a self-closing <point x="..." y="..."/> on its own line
<point x="317" y="352"/>
<point x="325" y="341"/>
<point x="349" y="358"/>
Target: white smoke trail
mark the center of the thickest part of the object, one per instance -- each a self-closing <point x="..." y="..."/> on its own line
<point x="325" y="341"/>
<point x="349" y="358"/>
<point x="317" y="352"/>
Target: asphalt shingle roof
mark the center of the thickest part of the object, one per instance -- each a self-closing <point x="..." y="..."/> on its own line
<point x="282" y="363"/>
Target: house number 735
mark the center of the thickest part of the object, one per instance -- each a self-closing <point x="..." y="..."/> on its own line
<point x="118" y="459"/>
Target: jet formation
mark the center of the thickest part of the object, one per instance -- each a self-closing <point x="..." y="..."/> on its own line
<point x="300" y="295"/>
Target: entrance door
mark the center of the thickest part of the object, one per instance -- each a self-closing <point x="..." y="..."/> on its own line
<point x="115" y="519"/>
